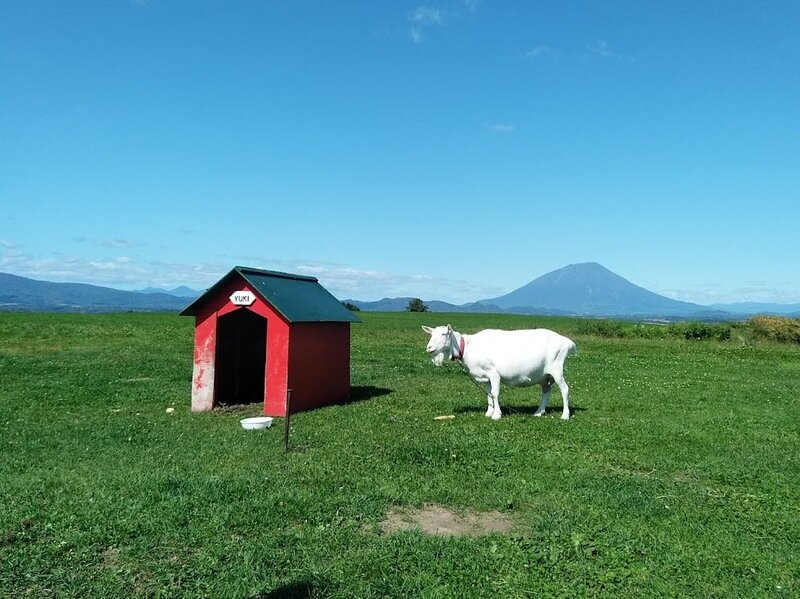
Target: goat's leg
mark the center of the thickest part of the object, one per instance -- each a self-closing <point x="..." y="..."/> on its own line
<point x="494" y="396"/>
<point x="490" y="407"/>
<point x="547" y="384"/>
<point x="564" y="388"/>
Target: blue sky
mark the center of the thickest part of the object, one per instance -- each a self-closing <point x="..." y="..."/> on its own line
<point x="445" y="150"/>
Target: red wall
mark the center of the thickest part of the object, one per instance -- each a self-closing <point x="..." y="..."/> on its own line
<point x="319" y="364"/>
<point x="205" y="346"/>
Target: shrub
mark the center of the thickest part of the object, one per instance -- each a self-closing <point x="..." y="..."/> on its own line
<point x="620" y="329"/>
<point x="702" y="330"/>
<point x="776" y="328"/>
<point x="416" y="305"/>
<point x="603" y="328"/>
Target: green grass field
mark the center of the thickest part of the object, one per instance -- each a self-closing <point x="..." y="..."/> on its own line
<point x="678" y="475"/>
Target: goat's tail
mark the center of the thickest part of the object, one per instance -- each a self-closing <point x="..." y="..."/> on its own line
<point x="572" y="348"/>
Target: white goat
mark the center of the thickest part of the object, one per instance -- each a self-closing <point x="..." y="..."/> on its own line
<point x="517" y="358"/>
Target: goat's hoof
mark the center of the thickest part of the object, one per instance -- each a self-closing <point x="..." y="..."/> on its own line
<point x="564" y="416"/>
<point x="496" y="416"/>
<point x="538" y="413"/>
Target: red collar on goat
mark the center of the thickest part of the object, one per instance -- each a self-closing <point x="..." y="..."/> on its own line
<point x="460" y="350"/>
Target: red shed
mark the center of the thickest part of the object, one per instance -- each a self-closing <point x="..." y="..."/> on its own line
<point x="259" y="333"/>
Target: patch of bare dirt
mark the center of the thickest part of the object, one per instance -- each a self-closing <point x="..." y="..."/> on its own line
<point x="141" y="579"/>
<point x="438" y="520"/>
<point x="111" y="557"/>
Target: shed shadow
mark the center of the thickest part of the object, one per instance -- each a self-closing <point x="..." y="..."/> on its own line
<point x="365" y="392"/>
<point x="530" y="410"/>
<point x="357" y="394"/>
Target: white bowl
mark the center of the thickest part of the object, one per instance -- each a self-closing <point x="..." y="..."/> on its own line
<point x="256" y="422"/>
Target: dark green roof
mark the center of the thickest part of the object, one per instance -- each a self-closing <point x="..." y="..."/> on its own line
<point x="297" y="298"/>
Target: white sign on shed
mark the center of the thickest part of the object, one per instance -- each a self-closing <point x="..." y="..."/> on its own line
<point x="243" y="298"/>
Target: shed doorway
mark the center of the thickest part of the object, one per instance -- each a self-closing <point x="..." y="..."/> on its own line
<point x="241" y="358"/>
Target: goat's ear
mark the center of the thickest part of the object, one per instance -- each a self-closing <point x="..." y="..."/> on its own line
<point x="449" y="329"/>
<point x="428" y="330"/>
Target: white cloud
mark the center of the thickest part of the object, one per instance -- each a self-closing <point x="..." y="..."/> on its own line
<point x="342" y="280"/>
<point x="348" y="282"/>
<point x="105" y="265"/>
<point x="116" y="244"/>
<point x="758" y="291"/>
<point x="601" y="49"/>
<point x="422" y="18"/>
<point x="503" y="128"/>
<point x="539" y="52"/>
<point x="472" y="5"/>
<point x="424" y="15"/>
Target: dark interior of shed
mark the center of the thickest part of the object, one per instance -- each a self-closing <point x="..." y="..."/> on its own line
<point x="240" y="358"/>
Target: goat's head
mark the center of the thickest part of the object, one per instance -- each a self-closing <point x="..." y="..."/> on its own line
<point x="440" y="345"/>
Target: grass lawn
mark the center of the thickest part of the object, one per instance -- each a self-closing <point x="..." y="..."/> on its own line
<point x="678" y="475"/>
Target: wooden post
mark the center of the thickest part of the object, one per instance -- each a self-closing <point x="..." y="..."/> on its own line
<point x="286" y="420"/>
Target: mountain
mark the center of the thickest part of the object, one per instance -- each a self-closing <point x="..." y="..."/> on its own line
<point x="181" y="291"/>
<point x="28" y="295"/>
<point x="589" y="289"/>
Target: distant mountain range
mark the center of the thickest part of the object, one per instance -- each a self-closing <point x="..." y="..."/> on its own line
<point x="18" y="294"/>
<point x="587" y="289"/>
<point x="759" y="308"/>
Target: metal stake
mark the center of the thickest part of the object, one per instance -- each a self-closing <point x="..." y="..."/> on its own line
<point x="286" y="420"/>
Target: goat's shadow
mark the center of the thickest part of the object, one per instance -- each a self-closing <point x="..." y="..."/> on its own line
<point x="519" y="410"/>
<point x="303" y="589"/>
